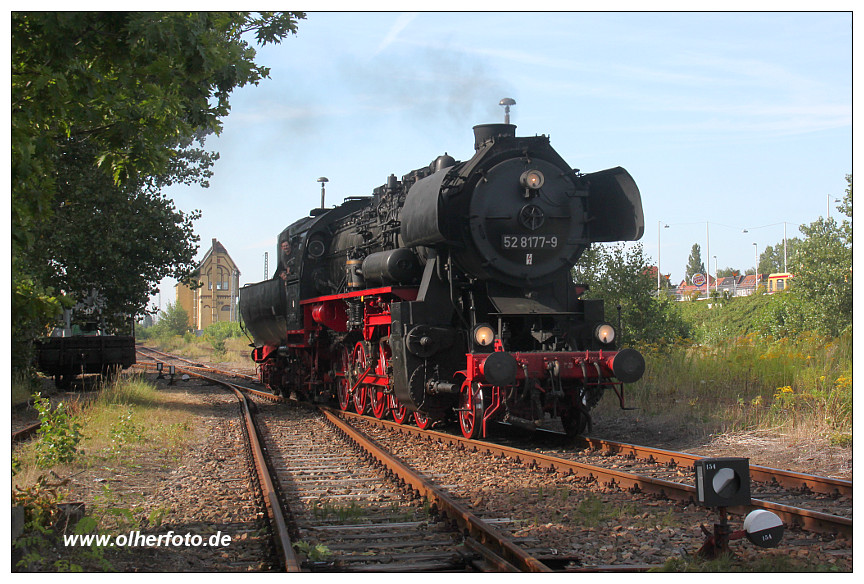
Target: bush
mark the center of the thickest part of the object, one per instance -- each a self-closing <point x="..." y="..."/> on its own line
<point x="218" y="332"/>
<point x="173" y="321"/>
<point x="58" y="434"/>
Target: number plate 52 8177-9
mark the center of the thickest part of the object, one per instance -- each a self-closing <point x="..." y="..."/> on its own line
<point x="529" y="241"/>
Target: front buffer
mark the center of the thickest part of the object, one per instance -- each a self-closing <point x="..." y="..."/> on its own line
<point x="524" y="389"/>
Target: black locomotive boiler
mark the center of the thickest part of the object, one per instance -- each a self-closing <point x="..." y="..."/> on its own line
<point x="448" y="293"/>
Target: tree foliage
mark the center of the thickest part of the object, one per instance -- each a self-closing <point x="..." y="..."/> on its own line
<point x="695" y="265"/>
<point x="130" y="95"/>
<point x="621" y="274"/>
<point x="728" y="272"/>
<point x="823" y="269"/>
<point x="771" y="260"/>
<point x="174" y="320"/>
<point x="120" y="240"/>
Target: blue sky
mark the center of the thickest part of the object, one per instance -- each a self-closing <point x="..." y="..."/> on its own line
<point x="740" y="120"/>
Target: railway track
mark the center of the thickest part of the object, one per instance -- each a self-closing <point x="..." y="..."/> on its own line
<point x="290" y="445"/>
<point x="673" y="482"/>
<point x="343" y="505"/>
<point x="662" y="473"/>
<point x="760" y="474"/>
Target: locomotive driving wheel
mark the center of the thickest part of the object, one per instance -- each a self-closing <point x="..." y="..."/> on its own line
<point x="399" y="411"/>
<point x="470" y="409"/>
<point x="360" y="363"/>
<point x="343" y="385"/>
<point x="377" y="398"/>
<point x="377" y="401"/>
<point x="342" y="390"/>
<point x="422" y="420"/>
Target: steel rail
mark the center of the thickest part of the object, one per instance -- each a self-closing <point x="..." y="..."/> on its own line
<point x="289" y="559"/>
<point x="271" y="497"/>
<point x="486" y="535"/>
<point x="811" y="520"/>
<point x="490" y="543"/>
<point x="808" y="519"/>
<point x="25" y="433"/>
<point x="195" y="364"/>
<point x="785" y="478"/>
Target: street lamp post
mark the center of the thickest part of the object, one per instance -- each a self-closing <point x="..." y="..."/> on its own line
<point x="658" y="255"/>
<point x="707" y="258"/>
<point x="715" y="274"/>
<point x="756" y="268"/>
<point x="784" y="247"/>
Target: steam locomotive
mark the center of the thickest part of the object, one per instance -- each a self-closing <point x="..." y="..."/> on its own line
<point x="447" y="294"/>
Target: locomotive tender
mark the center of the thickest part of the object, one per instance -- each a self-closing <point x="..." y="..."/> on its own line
<point x="449" y="292"/>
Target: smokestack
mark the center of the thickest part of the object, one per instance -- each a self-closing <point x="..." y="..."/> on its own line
<point x="485" y="132"/>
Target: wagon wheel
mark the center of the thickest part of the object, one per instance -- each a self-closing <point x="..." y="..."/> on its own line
<point x="575" y="421"/>
<point x="422" y="420"/>
<point x="63" y="381"/>
<point x="470" y="409"/>
<point x="400" y="412"/>
<point x="377" y="397"/>
<point x="359" y="362"/>
<point x="343" y="385"/>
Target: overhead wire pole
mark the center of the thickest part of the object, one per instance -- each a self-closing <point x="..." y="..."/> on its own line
<point x="707" y="260"/>
<point x="785" y="247"/>
<point x="658" y="255"/>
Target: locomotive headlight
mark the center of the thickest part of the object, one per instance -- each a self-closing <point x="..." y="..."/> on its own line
<point x="484" y="335"/>
<point x="604" y="333"/>
<point x="532" y="179"/>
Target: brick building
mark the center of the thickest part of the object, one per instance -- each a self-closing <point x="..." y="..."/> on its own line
<point x="216" y="299"/>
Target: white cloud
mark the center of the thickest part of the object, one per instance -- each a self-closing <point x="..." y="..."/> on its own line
<point x="402" y="21"/>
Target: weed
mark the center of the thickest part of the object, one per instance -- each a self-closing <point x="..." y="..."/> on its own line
<point x="315" y="553"/>
<point x="58" y="434"/>
<point x="41" y="504"/>
<point x="125" y="431"/>
<point x="340" y="514"/>
<point x="770" y="563"/>
<point x="745" y="383"/>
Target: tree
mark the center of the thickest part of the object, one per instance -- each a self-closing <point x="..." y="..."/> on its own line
<point x="131" y="93"/>
<point x="772" y="259"/>
<point x="823" y="269"/>
<point x="694" y="262"/>
<point x="621" y="274"/>
<point x="139" y="238"/>
<point x="174" y="320"/>
<point x="727" y="272"/>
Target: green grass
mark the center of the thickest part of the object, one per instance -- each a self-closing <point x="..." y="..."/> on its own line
<point x="128" y="416"/>
<point x="233" y="351"/>
<point x="23" y="387"/>
<point x="749" y="382"/>
<point x="129" y="428"/>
